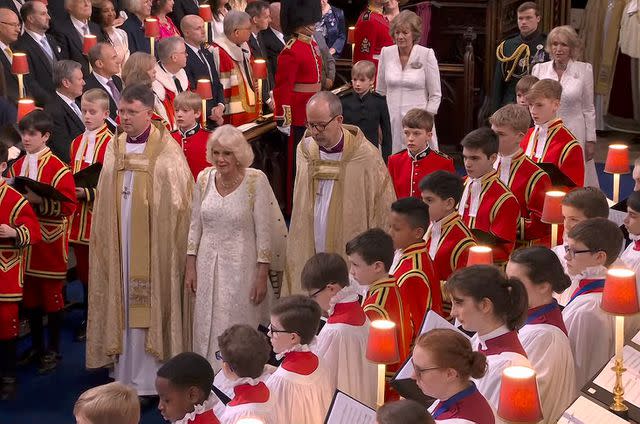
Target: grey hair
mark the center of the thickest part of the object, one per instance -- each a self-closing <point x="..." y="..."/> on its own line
<point x="332" y="101"/>
<point x="233" y="20"/>
<point x="167" y="46"/>
<point x="63" y="69"/>
<point x="568" y="33"/>
<point x="95" y="52"/>
<point x="229" y="137"/>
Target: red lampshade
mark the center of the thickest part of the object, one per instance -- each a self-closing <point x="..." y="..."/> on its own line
<point x="25" y="106"/>
<point x="350" y="34"/>
<point x="552" y="208"/>
<point x="151" y="28"/>
<point x="259" y="69"/>
<point x="480" y="255"/>
<point x="203" y="88"/>
<point x="204" y="10"/>
<point x="620" y="295"/>
<point x="88" y="41"/>
<point x="19" y="63"/>
<point x="382" y="346"/>
<point x="519" y="401"/>
<point x="617" y="159"/>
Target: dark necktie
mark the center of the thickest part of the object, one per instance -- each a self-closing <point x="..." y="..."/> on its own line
<point x="176" y="81"/>
<point x="247" y="72"/>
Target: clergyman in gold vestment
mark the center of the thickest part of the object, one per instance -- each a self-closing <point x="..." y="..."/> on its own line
<point x="342" y="186"/>
<point x="139" y="242"/>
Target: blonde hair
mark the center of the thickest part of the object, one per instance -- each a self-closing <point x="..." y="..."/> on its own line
<point x="363" y="68"/>
<point x="567" y="32"/>
<point x="407" y="19"/>
<point x="188" y="100"/>
<point x="545" y="88"/>
<point x="136" y="68"/>
<point x="112" y="403"/>
<point x="513" y="116"/>
<point x="97" y="96"/>
<point x="229" y="137"/>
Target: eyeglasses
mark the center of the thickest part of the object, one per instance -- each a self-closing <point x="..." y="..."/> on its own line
<point x="317" y="292"/>
<point x="418" y="371"/>
<point x="319" y="126"/>
<point x="571" y="252"/>
<point x="12" y="24"/>
<point x="131" y="112"/>
<point x="273" y="331"/>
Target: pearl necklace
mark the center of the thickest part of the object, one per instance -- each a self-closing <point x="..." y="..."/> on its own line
<point x="234" y="183"/>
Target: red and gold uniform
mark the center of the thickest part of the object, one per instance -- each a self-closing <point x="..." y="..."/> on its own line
<point x="298" y="78"/>
<point x="529" y="184"/>
<point x="385" y="302"/>
<point x="419" y="287"/>
<point x="194" y="147"/>
<point x="46" y="262"/>
<point x="235" y="76"/>
<point x="17" y="213"/>
<point x="371" y="34"/>
<point x="86" y="149"/>
<point x="407" y="171"/>
<point x="560" y="148"/>
<point x="498" y="212"/>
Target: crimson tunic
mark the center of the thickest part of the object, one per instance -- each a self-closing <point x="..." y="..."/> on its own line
<point x="407" y="172"/>
<point x="371" y="34"/>
<point x="194" y="146"/>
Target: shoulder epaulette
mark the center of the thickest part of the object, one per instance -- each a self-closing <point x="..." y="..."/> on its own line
<point x="444" y="155"/>
<point x="290" y="43"/>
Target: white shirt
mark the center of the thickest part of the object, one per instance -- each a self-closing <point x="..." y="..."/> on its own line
<point x="4" y="47"/>
<point x="473" y="189"/>
<point x="503" y="166"/>
<point x="86" y="151"/>
<point x="103" y="82"/>
<point x="323" y="199"/>
<point x="436" y="232"/>
<point x="72" y="104"/>
<point x="29" y="167"/>
<point x="541" y="131"/>
<point x="80" y="26"/>
<point x="278" y="34"/>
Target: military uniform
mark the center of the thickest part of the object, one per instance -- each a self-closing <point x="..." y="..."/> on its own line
<point x="194" y="147"/>
<point x="515" y="58"/>
<point x="371" y="114"/>
<point x="407" y="171"/>
<point x="371" y="34"/>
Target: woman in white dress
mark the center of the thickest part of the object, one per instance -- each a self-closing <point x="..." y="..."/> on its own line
<point x="408" y="75"/>
<point x="577" y="109"/>
<point x="544" y="335"/>
<point x="234" y="213"/>
<point x="219" y="9"/>
<point x="105" y="16"/>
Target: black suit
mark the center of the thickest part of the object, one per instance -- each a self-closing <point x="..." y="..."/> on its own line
<point x="196" y="69"/>
<point x="92" y="82"/>
<point x="135" y="32"/>
<point x="66" y="126"/>
<point x="272" y="46"/>
<point x="256" y="45"/>
<point x="71" y="41"/>
<point x="57" y="11"/>
<point x="40" y="66"/>
<point x="182" y="8"/>
<point x="10" y="80"/>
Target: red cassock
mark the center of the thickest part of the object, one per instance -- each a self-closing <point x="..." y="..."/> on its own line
<point x="81" y="219"/>
<point x="419" y="287"/>
<point x="407" y="172"/>
<point x="498" y="214"/>
<point x="49" y="259"/>
<point x="529" y="184"/>
<point x="194" y="147"/>
<point x="371" y="34"/>
<point x="385" y="302"/>
<point x="561" y="149"/>
<point x="16" y="212"/>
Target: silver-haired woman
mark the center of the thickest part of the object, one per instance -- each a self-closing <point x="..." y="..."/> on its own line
<point x="236" y="236"/>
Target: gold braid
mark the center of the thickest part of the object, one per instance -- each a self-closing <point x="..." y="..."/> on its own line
<point x="522" y="49"/>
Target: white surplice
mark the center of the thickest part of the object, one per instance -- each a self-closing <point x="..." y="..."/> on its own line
<point x="134" y="367"/>
<point x="225" y="385"/>
<point x="342" y="346"/>
<point x="590" y="329"/>
<point x="323" y="199"/>
<point x="549" y="351"/>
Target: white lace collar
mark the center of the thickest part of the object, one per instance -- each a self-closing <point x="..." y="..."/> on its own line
<point x="296" y="348"/>
<point x="346" y="295"/>
<point x="592" y="272"/>
<point x="198" y="409"/>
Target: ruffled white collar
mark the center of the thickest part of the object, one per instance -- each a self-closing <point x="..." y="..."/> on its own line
<point x="252" y="381"/>
<point x="592" y="272"/>
<point x="296" y="348"/>
<point x="346" y="295"/>
<point x="198" y="409"/>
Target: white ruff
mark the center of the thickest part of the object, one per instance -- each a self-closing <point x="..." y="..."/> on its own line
<point x="198" y="409"/>
<point x="296" y="348"/>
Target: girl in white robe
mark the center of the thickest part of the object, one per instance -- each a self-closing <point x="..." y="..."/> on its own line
<point x="443" y="365"/>
<point x="544" y="335"/>
<point x="301" y="386"/>
<point x="342" y="342"/>
<point x="486" y="302"/>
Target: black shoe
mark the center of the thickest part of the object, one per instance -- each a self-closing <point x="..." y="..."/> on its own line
<point x="28" y="357"/>
<point x="8" y="388"/>
<point x="48" y="363"/>
<point x="81" y="332"/>
<point x="147" y="402"/>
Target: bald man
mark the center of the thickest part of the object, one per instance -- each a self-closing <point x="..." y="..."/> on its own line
<point x="273" y="41"/>
<point x="200" y="65"/>
<point x="9" y="32"/>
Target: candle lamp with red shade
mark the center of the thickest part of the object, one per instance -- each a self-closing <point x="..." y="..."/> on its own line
<point x="152" y="31"/>
<point x="203" y="88"/>
<point x="617" y="163"/>
<point x="552" y="212"/>
<point x="204" y="10"/>
<point x="519" y="401"/>
<point x="259" y="71"/>
<point x="25" y="107"/>
<point x="88" y="41"/>
<point x="480" y="255"/>
<point x="351" y="38"/>
<point x="20" y="67"/>
<point x="382" y="349"/>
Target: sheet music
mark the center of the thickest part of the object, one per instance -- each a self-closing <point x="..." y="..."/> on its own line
<point x="630" y="379"/>
<point x="346" y="410"/>
<point x="431" y="322"/>
<point x="617" y="216"/>
<point x="636" y="338"/>
<point x="584" y="411"/>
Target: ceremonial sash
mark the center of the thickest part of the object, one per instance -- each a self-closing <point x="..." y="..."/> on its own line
<point x="594" y="286"/>
<point x="542" y="311"/>
<point x="446" y="405"/>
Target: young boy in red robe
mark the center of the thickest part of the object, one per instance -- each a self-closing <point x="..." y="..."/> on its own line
<point x="550" y="141"/>
<point x="190" y="135"/>
<point x="19" y="228"/>
<point x="86" y="149"/>
<point x="410" y="166"/>
<point x="342" y="342"/>
<point x="415" y="274"/>
<point x="245" y="352"/>
<point x="46" y="262"/>
<point x="526" y="180"/>
<point x="370" y="258"/>
<point x="184" y="385"/>
<point x="487" y="204"/>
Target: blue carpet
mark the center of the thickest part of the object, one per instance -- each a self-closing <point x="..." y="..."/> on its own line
<point x="49" y="399"/>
